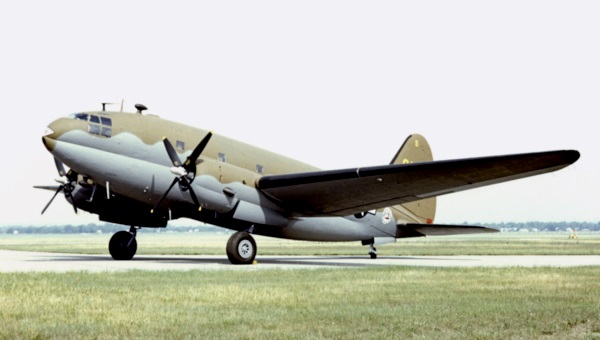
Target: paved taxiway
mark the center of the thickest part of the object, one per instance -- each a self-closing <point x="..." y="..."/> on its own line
<point x="20" y="261"/>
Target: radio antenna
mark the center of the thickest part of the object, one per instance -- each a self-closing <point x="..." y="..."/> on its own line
<point x="104" y="105"/>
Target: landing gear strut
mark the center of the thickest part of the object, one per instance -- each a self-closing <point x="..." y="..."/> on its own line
<point x="122" y="245"/>
<point x="241" y="248"/>
<point x="373" y="251"/>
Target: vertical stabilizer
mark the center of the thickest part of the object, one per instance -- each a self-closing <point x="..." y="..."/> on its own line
<point x="415" y="150"/>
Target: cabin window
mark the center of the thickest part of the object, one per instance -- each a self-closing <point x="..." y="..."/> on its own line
<point x="259" y="168"/>
<point x="95" y="119"/>
<point x="222" y="157"/>
<point x="179" y="145"/>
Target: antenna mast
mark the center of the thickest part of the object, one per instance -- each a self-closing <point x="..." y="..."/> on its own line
<point x="104" y="105"/>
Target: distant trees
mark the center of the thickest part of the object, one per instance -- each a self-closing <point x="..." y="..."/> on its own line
<point x="110" y="228"/>
<point x="544" y="226"/>
<point x="103" y="228"/>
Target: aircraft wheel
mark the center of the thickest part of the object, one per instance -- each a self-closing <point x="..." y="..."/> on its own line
<point x="373" y="252"/>
<point x="241" y="248"/>
<point x="122" y="245"/>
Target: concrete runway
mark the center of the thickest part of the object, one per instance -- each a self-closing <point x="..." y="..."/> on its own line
<point x="20" y="261"/>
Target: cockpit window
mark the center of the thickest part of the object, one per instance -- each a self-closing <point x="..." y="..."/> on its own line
<point x="106" y="132"/>
<point x="101" y="126"/>
<point x="97" y="125"/>
<point x="94" y="129"/>
<point x="80" y="116"/>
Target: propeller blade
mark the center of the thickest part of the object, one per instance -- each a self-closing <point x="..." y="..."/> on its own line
<point x="190" y="163"/>
<point x="175" y="180"/>
<point x="182" y="171"/>
<point x="60" y="167"/>
<point x="60" y="187"/>
<point x="69" y="194"/>
<point x="67" y="186"/>
<point x="192" y="193"/>
<point x="171" y="152"/>
<point x="52" y="188"/>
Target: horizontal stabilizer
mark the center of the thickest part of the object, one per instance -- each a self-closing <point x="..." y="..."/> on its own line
<point x="415" y="230"/>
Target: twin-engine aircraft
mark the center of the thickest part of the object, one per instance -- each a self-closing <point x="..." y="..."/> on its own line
<point x="140" y="170"/>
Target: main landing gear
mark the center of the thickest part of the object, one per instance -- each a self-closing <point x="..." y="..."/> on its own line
<point x="122" y="245"/>
<point x="241" y="248"/>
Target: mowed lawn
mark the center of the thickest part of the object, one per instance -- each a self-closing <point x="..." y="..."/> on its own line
<point x="377" y="303"/>
<point x="152" y="243"/>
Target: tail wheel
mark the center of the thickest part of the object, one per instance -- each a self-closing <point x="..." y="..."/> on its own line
<point x="241" y="248"/>
<point x="373" y="251"/>
<point x="122" y="245"/>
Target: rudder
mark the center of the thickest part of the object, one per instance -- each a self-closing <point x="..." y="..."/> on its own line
<point x="415" y="150"/>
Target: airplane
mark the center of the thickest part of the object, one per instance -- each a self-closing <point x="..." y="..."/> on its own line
<point x="142" y="171"/>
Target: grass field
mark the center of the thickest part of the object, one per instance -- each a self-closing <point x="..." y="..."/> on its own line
<point x="390" y="302"/>
<point x="214" y="244"/>
<point x="377" y="303"/>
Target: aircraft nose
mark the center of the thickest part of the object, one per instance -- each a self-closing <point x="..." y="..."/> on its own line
<point x="51" y="134"/>
<point x="48" y="133"/>
<point x="48" y="141"/>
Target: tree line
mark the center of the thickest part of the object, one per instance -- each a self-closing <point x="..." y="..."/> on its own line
<point x="545" y="226"/>
<point x="102" y="228"/>
<point x="109" y="228"/>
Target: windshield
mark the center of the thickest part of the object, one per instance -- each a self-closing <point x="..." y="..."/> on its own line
<point x="80" y="116"/>
<point x="98" y="125"/>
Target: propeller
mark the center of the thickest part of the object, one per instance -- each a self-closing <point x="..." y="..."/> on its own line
<point x="67" y="178"/>
<point x="185" y="172"/>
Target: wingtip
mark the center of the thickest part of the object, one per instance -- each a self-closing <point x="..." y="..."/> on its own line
<point x="573" y="155"/>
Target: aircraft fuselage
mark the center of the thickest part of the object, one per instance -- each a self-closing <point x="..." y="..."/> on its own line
<point x="123" y="170"/>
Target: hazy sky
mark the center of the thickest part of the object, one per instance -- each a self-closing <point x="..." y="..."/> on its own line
<point x="336" y="84"/>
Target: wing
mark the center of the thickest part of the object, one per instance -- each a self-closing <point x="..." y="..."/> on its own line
<point x="350" y="191"/>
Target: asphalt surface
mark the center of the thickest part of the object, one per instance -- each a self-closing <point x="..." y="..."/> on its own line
<point x="20" y="261"/>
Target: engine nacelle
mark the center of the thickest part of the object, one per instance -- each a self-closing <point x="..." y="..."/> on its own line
<point x="213" y="195"/>
<point x="256" y="214"/>
<point x="117" y="209"/>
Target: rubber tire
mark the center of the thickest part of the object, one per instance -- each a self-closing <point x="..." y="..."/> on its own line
<point x="373" y="254"/>
<point x="118" y="246"/>
<point x="241" y="248"/>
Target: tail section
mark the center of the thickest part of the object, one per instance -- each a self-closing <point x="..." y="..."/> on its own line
<point x="414" y="150"/>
